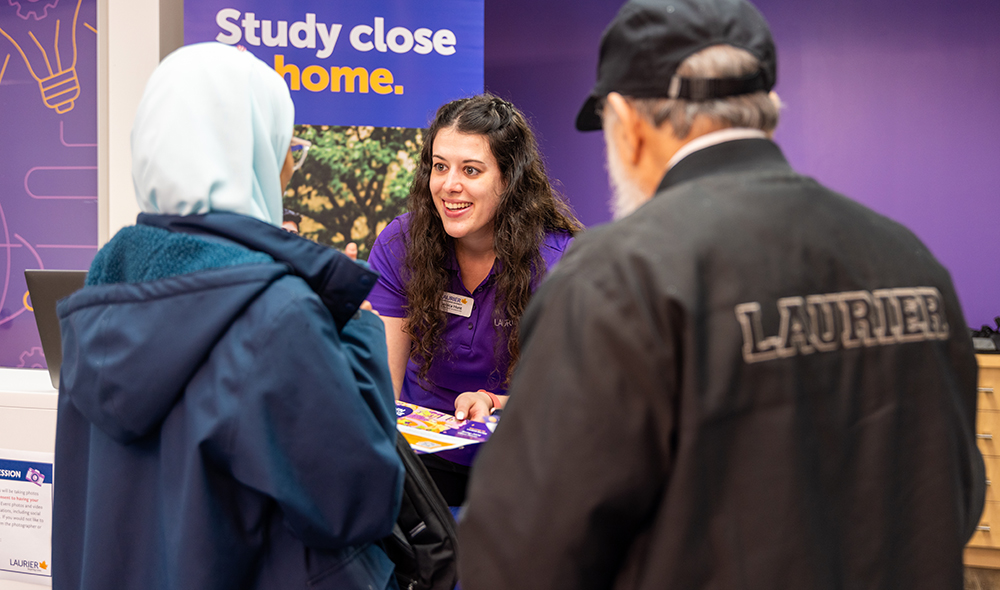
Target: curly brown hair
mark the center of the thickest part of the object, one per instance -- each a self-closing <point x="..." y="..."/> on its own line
<point x="528" y="210"/>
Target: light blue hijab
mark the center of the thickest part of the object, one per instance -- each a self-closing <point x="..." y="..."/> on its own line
<point x="211" y="134"/>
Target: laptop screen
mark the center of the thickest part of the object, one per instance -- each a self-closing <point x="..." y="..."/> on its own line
<point x="46" y="287"/>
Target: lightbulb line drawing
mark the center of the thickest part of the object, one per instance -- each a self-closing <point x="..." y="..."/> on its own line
<point x="59" y="87"/>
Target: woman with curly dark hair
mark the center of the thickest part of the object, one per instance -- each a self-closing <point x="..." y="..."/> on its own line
<point x="483" y="227"/>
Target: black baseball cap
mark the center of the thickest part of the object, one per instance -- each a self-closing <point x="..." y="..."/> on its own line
<point x="648" y="39"/>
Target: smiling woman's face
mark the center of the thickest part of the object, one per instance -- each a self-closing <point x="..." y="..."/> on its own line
<point x="465" y="184"/>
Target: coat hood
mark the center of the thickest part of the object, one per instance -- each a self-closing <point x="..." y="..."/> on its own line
<point x="157" y="302"/>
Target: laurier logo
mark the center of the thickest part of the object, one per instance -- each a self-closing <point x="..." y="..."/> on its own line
<point x="29" y="565"/>
<point x="833" y="321"/>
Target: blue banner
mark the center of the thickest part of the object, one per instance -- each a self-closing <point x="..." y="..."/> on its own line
<point x="30" y="471"/>
<point x="381" y="63"/>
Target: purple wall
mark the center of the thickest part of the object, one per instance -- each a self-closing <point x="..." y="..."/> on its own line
<point x="895" y="103"/>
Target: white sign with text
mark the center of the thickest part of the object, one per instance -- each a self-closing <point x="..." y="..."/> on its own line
<point x="26" y="516"/>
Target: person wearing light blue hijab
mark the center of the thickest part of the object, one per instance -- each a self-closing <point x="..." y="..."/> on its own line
<point x="226" y="415"/>
<point x="212" y="134"/>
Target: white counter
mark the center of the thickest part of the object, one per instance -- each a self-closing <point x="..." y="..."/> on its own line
<point x="28" y="405"/>
<point x="27" y="410"/>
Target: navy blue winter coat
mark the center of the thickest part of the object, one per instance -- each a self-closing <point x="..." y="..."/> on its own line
<point x="223" y="421"/>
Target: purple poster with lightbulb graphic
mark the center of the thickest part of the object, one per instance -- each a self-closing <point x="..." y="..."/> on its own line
<point x="48" y="155"/>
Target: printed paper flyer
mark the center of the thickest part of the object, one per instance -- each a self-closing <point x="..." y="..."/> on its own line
<point x="26" y="516"/>
<point x="431" y="431"/>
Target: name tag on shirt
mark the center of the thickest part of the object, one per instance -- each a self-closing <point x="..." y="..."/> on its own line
<point x="456" y="304"/>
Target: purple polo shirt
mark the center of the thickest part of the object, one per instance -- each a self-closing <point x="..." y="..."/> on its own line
<point x="471" y="341"/>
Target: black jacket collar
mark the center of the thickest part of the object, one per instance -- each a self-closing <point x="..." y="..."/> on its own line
<point x="741" y="155"/>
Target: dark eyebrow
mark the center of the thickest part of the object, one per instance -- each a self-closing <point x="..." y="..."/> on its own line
<point x="463" y="161"/>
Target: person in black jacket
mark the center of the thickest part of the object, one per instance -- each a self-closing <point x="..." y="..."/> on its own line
<point x="746" y="381"/>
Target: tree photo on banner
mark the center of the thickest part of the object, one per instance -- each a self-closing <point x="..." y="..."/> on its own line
<point x="366" y="78"/>
<point x="353" y="181"/>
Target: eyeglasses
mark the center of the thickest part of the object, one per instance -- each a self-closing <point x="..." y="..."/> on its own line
<point x="300" y="147"/>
